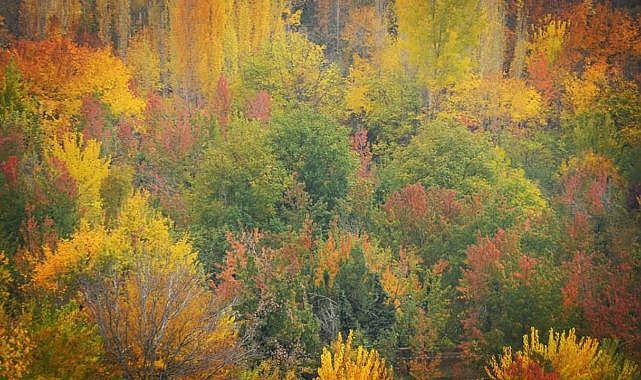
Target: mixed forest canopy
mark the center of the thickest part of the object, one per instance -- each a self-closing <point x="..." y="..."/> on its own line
<point x="327" y="189"/>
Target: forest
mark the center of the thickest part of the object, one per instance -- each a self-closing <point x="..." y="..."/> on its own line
<point x="320" y="189"/>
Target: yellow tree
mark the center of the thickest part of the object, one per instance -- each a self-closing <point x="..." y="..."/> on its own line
<point x="144" y="62"/>
<point x="364" y="32"/>
<point x="42" y="342"/>
<point x="582" y="93"/>
<point x="331" y="255"/>
<point x="494" y="103"/>
<point x="566" y="355"/>
<point x="16" y="345"/>
<point x="61" y="267"/>
<point x="357" y="97"/>
<point x="343" y="362"/>
<point x="492" y="39"/>
<point x="211" y="37"/>
<point x="196" y="43"/>
<point x="66" y="344"/>
<point x="86" y="167"/>
<point x="138" y="229"/>
<point x="440" y="38"/>
<point x="147" y="294"/>
<point x="158" y="320"/>
<point x="294" y="70"/>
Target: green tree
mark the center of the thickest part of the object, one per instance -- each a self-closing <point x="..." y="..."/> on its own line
<point x="239" y="185"/>
<point x="444" y="155"/>
<point x="451" y="157"/>
<point x="317" y="151"/>
<point x="295" y="72"/>
<point x="504" y="290"/>
<point x="270" y="277"/>
<point x="349" y="295"/>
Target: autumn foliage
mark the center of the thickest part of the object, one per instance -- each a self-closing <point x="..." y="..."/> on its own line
<point x="566" y="356"/>
<point x="345" y="362"/>
<point x="286" y="189"/>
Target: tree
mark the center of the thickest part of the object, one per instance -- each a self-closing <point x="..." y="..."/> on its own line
<point x="197" y="54"/>
<point x="158" y="320"/>
<point x="360" y="299"/>
<point x="66" y="343"/>
<point x="365" y="31"/>
<point x="567" y="357"/>
<point x="416" y="217"/>
<point x="602" y="291"/>
<point x="137" y="228"/>
<point x="271" y="277"/>
<point x="168" y="150"/>
<point x="40" y="339"/>
<point x="295" y="72"/>
<point x="591" y="200"/>
<point x="146" y="292"/>
<point x="202" y="49"/>
<point x="60" y="73"/>
<point x="239" y="186"/>
<point x="422" y="309"/>
<point x="506" y="289"/>
<point x="544" y="67"/>
<point x="259" y="108"/>
<point x="114" y="23"/>
<point x="494" y="103"/>
<point x="600" y="263"/>
<point x="440" y="38"/>
<point x="600" y="33"/>
<point x="432" y="225"/>
<point x="115" y="191"/>
<point x="591" y="185"/>
<point x="15" y="341"/>
<point x="317" y="151"/>
<point x="601" y="115"/>
<point x="491" y="55"/>
<point x="384" y="97"/>
<point x="144" y="62"/>
<point x="449" y="156"/>
<point x="344" y="362"/>
<point x="16" y="347"/>
<point x="223" y="103"/>
<point x="444" y="155"/>
<point x="21" y="141"/>
<point x="38" y="18"/>
<point x="87" y="169"/>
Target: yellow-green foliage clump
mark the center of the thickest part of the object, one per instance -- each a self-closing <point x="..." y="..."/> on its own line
<point x="343" y="362"/>
<point x="563" y="357"/>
